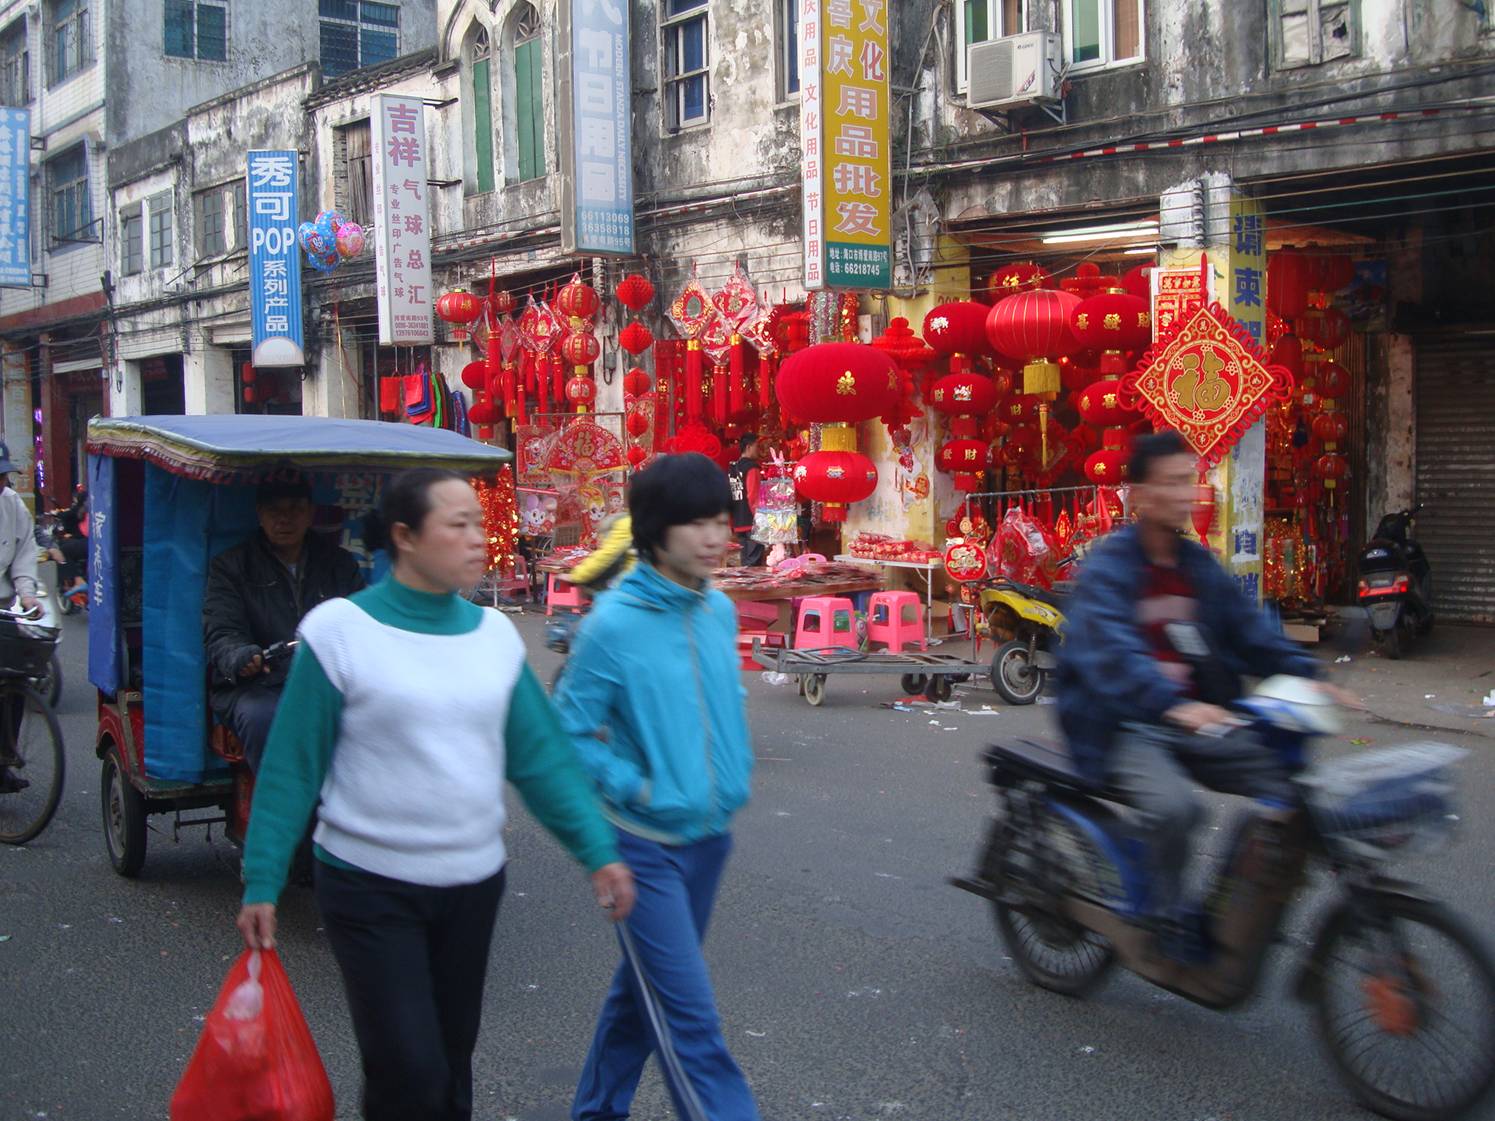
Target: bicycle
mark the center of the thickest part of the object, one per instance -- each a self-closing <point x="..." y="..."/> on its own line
<point x="32" y="760"/>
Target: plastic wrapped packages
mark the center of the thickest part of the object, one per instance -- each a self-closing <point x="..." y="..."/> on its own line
<point x="776" y="517"/>
<point x="1024" y="550"/>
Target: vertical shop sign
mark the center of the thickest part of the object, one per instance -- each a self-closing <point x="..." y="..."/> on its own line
<point x="274" y="270"/>
<point x="402" y="223"/>
<point x="1246" y="292"/>
<point x="15" y="198"/>
<point x="595" y="117"/>
<point x="845" y="141"/>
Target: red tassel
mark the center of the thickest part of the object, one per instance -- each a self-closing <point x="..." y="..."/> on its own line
<point x="491" y="362"/>
<point x="521" y="413"/>
<point x="720" y="377"/>
<point x="695" y="370"/>
<point x="768" y="369"/>
<point x="737" y="386"/>
<point x="558" y="382"/>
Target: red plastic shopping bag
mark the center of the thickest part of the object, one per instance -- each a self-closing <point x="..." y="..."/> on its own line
<point x="255" y="1060"/>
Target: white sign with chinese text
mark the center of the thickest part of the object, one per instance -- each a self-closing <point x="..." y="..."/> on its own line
<point x="402" y="221"/>
<point x="595" y="121"/>
<point x="15" y="198"/>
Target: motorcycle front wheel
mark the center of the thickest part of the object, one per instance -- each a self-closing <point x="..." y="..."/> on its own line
<point x="1405" y="1004"/>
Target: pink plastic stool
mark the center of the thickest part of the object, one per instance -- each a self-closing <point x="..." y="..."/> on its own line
<point x="895" y="619"/>
<point x="825" y="621"/>
<point x="562" y="593"/>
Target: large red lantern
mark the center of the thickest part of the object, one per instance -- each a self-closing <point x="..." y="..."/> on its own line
<point x="1138" y="282"/>
<point x="581" y="348"/>
<point x="635" y="292"/>
<point x="964" y="394"/>
<point x="1331" y="429"/>
<point x="1333" y="380"/>
<point x="1020" y="276"/>
<point x="1100" y="405"/>
<point x="837" y="382"/>
<point x="459" y="308"/>
<point x="475" y="375"/>
<point x="1324" y="327"/>
<point x="965" y="460"/>
<point x="1289" y="280"/>
<point x="1331" y="468"/>
<point x="1112" y="323"/>
<point x="1106" y="467"/>
<point x="635" y="338"/>
<point x="835" y="478"/>
<point x="1034" y="327"/>
<point x="1288" y="353"/>
<point x="957" y="329"/>
<point x="577" y="299"/>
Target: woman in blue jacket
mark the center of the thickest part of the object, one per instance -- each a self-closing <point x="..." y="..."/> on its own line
<point x="654" y="701"/>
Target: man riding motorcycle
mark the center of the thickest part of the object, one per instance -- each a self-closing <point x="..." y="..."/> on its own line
<point x="1157" y="640"/>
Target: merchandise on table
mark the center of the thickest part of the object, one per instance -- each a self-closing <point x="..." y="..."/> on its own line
<point x="809" y="576"/>
<point x="776" y="517"/>
<point x="877" y="546"/>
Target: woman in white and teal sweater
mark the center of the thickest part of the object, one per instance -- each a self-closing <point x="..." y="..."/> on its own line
<point x="406" y="709"/>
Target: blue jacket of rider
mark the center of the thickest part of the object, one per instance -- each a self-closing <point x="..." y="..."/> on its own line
<point x="1107" y="676"/>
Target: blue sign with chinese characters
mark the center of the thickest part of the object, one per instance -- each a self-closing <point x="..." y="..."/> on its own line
<point x="15" y="198"/>
<point x="597" y="158"/>
<point x="274" y="270"/>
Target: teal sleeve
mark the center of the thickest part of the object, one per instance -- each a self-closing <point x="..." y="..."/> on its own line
<point x="588" y="693"/>
<point x="542" y="764"/>
<point x="289" y="782"/>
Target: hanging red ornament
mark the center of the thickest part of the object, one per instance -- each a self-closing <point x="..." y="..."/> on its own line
<point x="1113" y="323"/>
<point x="965" y="460"/>
<point x="581" y="392"/>
<point x="577" y="299"/>
<point x="1138" y="282"/>
<point x="636" y="383"/>
<point x="1330" y="428"/>
<point x="1106" y="467"/>
<point x="970" y="394"/>
<point x="1089" y="281"/>
<point x="1288" y="353"/>
<point x="1100" y="405"/>
<point x="1288" y="281"/>
<point x="636" y="456"/>
<point x="475" y="375"/>
<point x="635" y="292"/>
<point x="1333" y="380"/>
<point x="1324" y="327"/>
<point x="1203" y="515"/>
<point x="1331" y="468"/>
<point x="581" y="348"/>
<point x="1020" y="276"/>
<point x="635" y="338"/>
<point x="957" y="329"/>
<point x="637" y="422"/>
<point x="837" y="382"/>
<point x="835" y="478"/>
<point x="459" y="308"/>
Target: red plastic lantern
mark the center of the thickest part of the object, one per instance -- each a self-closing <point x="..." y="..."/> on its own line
<point x="459" y="308"/>
<point x="636" y="383"/>
<point x="1106" y="467"/>
<point x="1331" y="468"/>
<point x="1331" y="429"/>
<point x="483" y="413"/>
<point x="475" y="375"/>
<point x="1324" y="327"/>
<point x="1100" y="405"/>
<point x="1289" y="279"/>
<point x="1033" y="327"/>
<point x="635" y="292"/>
<point x="637" y="421"/>
<point x="581" y="392"/>
<point x="965" y="461"/>
<point x="501" y="302"/>
<point x="1112" y="323"/>
<point x="1021" y="276"/>
<point x="1289" y="353"/>
<point x="577" y="299"/>
<point x="1333" y="380"/>
<point x="835" y="478"/>
<point x="958" y="328"/>
<point x="835" y="382"/>
<point x="964" y="394"/>
<point x="635" y="338"/>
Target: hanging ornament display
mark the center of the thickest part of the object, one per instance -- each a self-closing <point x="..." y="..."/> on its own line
<point x="1203" y="515"/>
<point x="692" y="312"/>
<point x="635" y="338"/>
<point x="580" y="348"/>
<point x="540" y="328"/>
<point x="459" y="308"/>
<point x="958" y="331"/>
<point x="736" y="304"/>
<point x="1089" y="281"/>
<point x="500" y="516"/>
<point x="1207" y="378"/>
<point x="1115" y="324"/>
<point x="1034" y="328"/>
<point x="760" y="334"/>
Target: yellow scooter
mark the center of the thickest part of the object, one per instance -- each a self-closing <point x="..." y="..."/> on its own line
<point x="1026" y="621"/>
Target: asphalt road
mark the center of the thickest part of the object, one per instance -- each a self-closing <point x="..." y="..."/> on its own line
<point x="854" y="983"/>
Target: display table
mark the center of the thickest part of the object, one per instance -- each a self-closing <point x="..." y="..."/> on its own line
<point x="762" y="585"/>
<point x="928" y="568"/>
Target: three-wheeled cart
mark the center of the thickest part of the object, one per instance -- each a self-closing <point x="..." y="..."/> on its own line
<point x="934" y="675"/>
<point x="169" y="493"/>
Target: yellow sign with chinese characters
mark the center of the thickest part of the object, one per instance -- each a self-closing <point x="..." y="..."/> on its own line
<point x="846" y="143"/>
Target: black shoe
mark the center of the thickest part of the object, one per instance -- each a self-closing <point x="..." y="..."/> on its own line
<point x="10" y="782"/>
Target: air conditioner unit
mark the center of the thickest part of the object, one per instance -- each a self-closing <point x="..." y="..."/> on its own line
<point x="1016" y="70"/>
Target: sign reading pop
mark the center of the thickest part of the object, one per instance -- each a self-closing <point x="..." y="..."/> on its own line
<point x="274" y="272"/>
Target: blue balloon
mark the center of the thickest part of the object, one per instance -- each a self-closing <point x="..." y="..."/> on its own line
<point x="304" y="233"/>
<point x="326" y="229"/>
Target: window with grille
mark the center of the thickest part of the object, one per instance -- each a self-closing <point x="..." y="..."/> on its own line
<point x="1101" y="33"/>
<point x="131" y="241"/>
<point x="687" y="59"/>
<point x="197" y="29"/>
<point x="15" y="66"/>
<point x="357" y="33"/>
<point x="72" y="212"/>
<point x="529" y="93"/>
<point x="70" y="44"/>
<point x="977" y="21"/>
<point x="160" y="211"/>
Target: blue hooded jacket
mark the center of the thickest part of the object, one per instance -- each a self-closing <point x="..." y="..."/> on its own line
<point x="1107" y="673"/>
<point x="653" y="698"/>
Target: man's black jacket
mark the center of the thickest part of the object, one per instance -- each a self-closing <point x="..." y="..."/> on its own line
<point x="252" y="602"/>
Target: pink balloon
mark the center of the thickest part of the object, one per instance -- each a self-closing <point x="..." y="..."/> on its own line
<point x="350" y="240"/>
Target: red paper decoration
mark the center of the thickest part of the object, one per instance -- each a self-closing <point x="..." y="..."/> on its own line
<point x="1203" y="514"/>
<point x="636" y="457"/>
<point x="965" y="561"/>
<point x="635" y="292"/>
<point x="635" y="338"/>
<point x="636" y="383"/>
<point x="637" y="422"/>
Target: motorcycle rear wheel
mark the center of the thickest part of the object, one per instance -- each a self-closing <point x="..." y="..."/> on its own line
<point x="1383" y="989"/>
<point x="1014" y="676"/>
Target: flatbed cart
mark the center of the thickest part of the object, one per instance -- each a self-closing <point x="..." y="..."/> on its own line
<point x="934" y="675"/>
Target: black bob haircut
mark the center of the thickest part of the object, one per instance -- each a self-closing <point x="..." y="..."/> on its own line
<point x="1147" y="450"/>
<point x="674" y="490"/>
<point x="406" y="501"/>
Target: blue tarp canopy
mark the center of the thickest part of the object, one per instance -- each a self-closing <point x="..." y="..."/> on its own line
<point x="243" y="448"/>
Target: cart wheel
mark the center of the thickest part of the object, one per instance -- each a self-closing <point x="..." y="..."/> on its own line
<point x="124" y="818"/>
<point x="939" y="688"/>
<point x="1013" y="674"/>
<point x="814" y="684"/>
<point x="913" y="683"/>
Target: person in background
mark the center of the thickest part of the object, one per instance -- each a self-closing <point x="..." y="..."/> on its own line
<point x="1157" y="639"/>
<point x="256" y="594"/>
<point x="743" y="478"/>
<point x="70" y="547"/>
<point x="17" y="573"/>
<point x="406" y="710"/>
<point x="655" y="704"/>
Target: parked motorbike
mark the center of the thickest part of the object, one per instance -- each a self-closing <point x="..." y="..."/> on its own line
<point x="1396" y="583"/>
<point x="1026" y="620"/>
<point x="1402" y="989"/>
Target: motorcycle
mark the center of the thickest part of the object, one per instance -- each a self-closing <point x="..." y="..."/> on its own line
<point x="1027" y="620"/>
<point x="1396" y="583"/>
<point x="1387" y="969"/>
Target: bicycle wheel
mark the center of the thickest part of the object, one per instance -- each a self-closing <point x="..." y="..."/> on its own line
<point x="1406" y="1006"/>
<point x="30" y="751"/>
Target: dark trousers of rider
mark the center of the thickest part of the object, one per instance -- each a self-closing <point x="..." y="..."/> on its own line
<point x="413" y="960"/>
<point x="1157" y="769"/>
<point x="249" y="714"/>
<point x="74" y="552"/>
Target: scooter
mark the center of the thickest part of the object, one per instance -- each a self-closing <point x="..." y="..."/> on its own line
<point x="1026" y="620"/>
<point x="1396" y="583"/>
<point x="1403" y="990"/>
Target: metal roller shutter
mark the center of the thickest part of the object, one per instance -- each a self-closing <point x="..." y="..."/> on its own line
<point x="1456" y="472"/>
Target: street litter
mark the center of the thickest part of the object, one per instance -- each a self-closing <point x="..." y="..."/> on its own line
<point x="1489" y="698"/>
<point x="4" y="937"/>
<point x="1342" y="659"/>
<point x="772" y="678"/>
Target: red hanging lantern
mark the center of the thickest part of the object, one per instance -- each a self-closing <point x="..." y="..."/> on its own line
<point x="636" y="456"/>
<point x="1330" y="428"/>
<point x="965" y="461"/>
<point x="577" y="299"/>
<point x="835" y="478"/>
<point x="1019" y="448"/>
<point x="459" y="308"/>
<point x="968" y="394"/>
<point x="1289" y="278"/>
<point x="501" y="303"/>
<point x="1333" y="380"/>
<point x="1020" y="276"/>
<point x="1331" y="468"/>
<point x="475" y="375"/>
<point x="637" y="422"/>
<point x="1034" y="327"/>
<point x="1288" y="352"/>
<point x="483" y="412"/>
<point x="1327" y="328"/>
<point x="636" y="383"/>
<point x="635" y="338"/>
<point x="1089" y="281"/>
<point x="1336" y="271"/>
<point x="1100" y="405"/>
<point x="957" y="329"/>
<point x="1138" y="282"/>
<point x="1112" y="323"/>
<point x="635" y="292"/>
<point x="1203" y="515"/>
<point x="581" y="392"/>
<point x="835" y="382"/>
<point x="1106" y="467"/>
<point x="581" y="348"/>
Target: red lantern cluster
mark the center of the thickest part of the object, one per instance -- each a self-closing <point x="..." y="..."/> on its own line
<point x="636" y="293"/>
